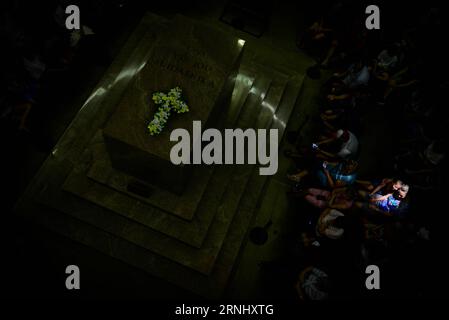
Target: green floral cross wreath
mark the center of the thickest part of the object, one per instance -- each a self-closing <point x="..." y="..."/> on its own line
<point x="167" y="103"/>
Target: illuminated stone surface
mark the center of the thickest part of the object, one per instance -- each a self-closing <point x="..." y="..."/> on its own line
<point x="75" y="192"/>
<point x="197" y="59"/>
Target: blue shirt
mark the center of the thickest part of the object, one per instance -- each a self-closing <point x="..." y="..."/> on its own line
<point x="392" y="205"/>
<point x="336" y="174"/>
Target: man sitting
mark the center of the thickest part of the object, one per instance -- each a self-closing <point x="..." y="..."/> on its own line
<point x="347" y="146"/>
<point x="390" y="204"/>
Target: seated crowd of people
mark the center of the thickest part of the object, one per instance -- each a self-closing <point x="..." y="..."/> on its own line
<point x="380" y="212"/>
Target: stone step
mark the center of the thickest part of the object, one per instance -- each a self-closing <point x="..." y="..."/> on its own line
<point x="191" y="233"/>
<point x="204" y="270"/>
<point x="271" y="103"/>
<point x="255" y="188"/>
<point x="201" y="259"/>
<point x="253" y="100"/>
<point x="287" y="104"/>
<point x="243" y="83"/>
<point x="211" y="286"/>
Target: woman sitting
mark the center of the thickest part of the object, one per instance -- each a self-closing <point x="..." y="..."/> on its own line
<point x="337" y="199"/>
<point x="331" y="224"/>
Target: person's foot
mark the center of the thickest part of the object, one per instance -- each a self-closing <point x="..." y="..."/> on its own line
<point x="307" y="241"/>
<point x="294" y="177"/>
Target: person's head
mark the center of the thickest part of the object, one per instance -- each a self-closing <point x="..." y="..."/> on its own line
<point x="341" y="222"/>
<point x="342" y="135"/>
<point x="349" y="167"/>
<point x="396" y="184"/>
<point x="402" y="192"/>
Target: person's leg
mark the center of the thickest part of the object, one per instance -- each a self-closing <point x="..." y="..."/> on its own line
<point x="346" y="204"/>
<point x="363" y="194"/>
<point x="329" y="126"/>
<point x="297" y="176"/>
<point x="365" y="183"/>
<point x="358" y="204"/>
<point x="315" y="202"/>
<point x="318" y="192"/>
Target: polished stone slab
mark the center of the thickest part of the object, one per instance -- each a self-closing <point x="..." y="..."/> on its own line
<point x="183" y="55"/>
<point x="191" y="233"/>
<point x="211" y="286"/>
<point x="201" y="259"/>
<point x="184" y="205"/>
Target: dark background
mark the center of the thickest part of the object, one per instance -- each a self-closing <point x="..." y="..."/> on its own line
<point x="34" y="259"/>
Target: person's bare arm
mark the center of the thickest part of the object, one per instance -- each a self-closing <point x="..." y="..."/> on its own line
<point x="378" y="188"/>
<point x="381" y="185"/>
<point x="383" y="76"/>
<point x="329" y="117"/>
<point x="331" y="200"/>
<point x="341" y="74"/>
<point x="406" y="84"/>
<point x="382" y="198"/>
<point x="339" y="190"/>
<point x="325" y="141"/>
<point x="325" y="153"/>
<point x="338" y="206"/>
<point x="365" y="184"/>
<point x="329" y="178"/>
<point x="333" y="97"/>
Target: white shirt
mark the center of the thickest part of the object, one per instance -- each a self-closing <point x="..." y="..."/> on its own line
<point x="331" y="231"/>
<point x="310" y="284"/>
<point x="386" y="61"/>
<point x="349" y="147"/>
<point x="357" y="78"/>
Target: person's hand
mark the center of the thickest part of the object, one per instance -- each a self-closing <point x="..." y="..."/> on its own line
<point x="325" y="163"/>
<point x="319" y="36"/>
<point x="331" y="97"/>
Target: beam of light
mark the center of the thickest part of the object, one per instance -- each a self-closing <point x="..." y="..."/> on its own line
<point x="281" y="123"/>
<point x="97" y="93"/>
<point x="266" y="105"/>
